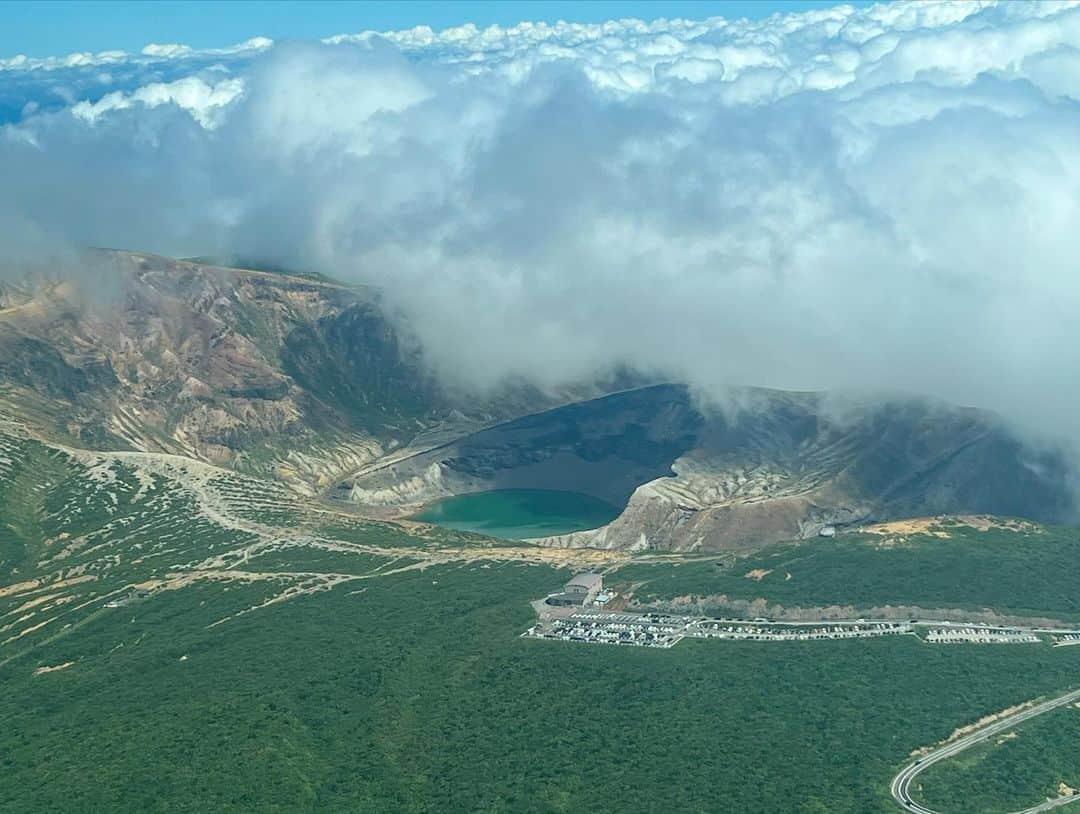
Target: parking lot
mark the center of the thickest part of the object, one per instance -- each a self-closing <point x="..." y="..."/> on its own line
<point x="667" y="630"/>
<point x="661" y="630"/>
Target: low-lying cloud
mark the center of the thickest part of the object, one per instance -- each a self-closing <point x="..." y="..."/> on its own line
<point x="879" y="199"/>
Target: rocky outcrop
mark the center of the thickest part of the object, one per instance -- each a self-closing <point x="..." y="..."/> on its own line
<point x="285" y="375"/>
<point x="290" y="376"/>
<point x="307" y="381"/>
<point x="781" y="466"/>
<point x="604" y="447"/>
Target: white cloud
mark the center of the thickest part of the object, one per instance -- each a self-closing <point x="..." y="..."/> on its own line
<point x="880" y="198"/>
<point x="166" y="51"/>
<point x="152" y="53"/>
<point x="310" y="97"/>
<point x="205" y="102"/>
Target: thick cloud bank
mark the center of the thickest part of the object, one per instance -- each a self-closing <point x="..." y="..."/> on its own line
<point x="882" y="199"/>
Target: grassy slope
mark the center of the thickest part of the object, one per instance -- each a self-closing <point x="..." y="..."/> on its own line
<point x="412" y="692"/>
<point x="1024" y="574"/>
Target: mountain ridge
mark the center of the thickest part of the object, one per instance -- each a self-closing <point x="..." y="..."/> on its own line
<point x="310" y="383"/>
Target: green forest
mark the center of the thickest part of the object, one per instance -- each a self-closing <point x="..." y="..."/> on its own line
<point x="1021" y="573"/>
<point x="416" y="694"/>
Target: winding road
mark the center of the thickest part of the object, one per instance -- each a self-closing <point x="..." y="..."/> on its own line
<point x="901" y="785"/>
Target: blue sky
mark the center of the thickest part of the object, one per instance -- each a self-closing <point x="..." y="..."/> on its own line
<point x="56" y="28"/>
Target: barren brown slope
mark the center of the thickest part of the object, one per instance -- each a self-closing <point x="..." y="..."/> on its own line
<point x="242" y="368"/>
<point x="782" y="466"/>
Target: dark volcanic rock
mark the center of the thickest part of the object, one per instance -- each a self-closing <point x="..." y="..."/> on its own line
<point x="779" y="466"/>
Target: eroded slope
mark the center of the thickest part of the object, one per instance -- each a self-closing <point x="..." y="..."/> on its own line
<point x="778" y="466"/>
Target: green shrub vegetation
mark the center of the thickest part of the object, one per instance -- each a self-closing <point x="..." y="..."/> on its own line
<point x="1009" y="572"/>
<point x="411" y="690"/>
<point x="1010" y="772"/>
<point x="416" y="694"/>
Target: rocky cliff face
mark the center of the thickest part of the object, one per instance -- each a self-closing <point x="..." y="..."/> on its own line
<point x="779" y="467"/>
<point x="306" y="381"/>
<point x="286" y="375"/>
<point x="605" y="447"/>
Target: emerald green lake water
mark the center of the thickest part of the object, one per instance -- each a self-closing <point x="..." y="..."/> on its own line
<point x="516" y="514"/>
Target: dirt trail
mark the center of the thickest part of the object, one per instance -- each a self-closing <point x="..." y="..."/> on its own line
<point x="219" y="495"/>
<point x="53" y="669"/>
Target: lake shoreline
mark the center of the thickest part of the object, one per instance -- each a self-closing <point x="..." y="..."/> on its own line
<point x="519" y="514"/>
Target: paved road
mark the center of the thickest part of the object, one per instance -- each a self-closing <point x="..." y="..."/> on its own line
<point x="901" y="785"/>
